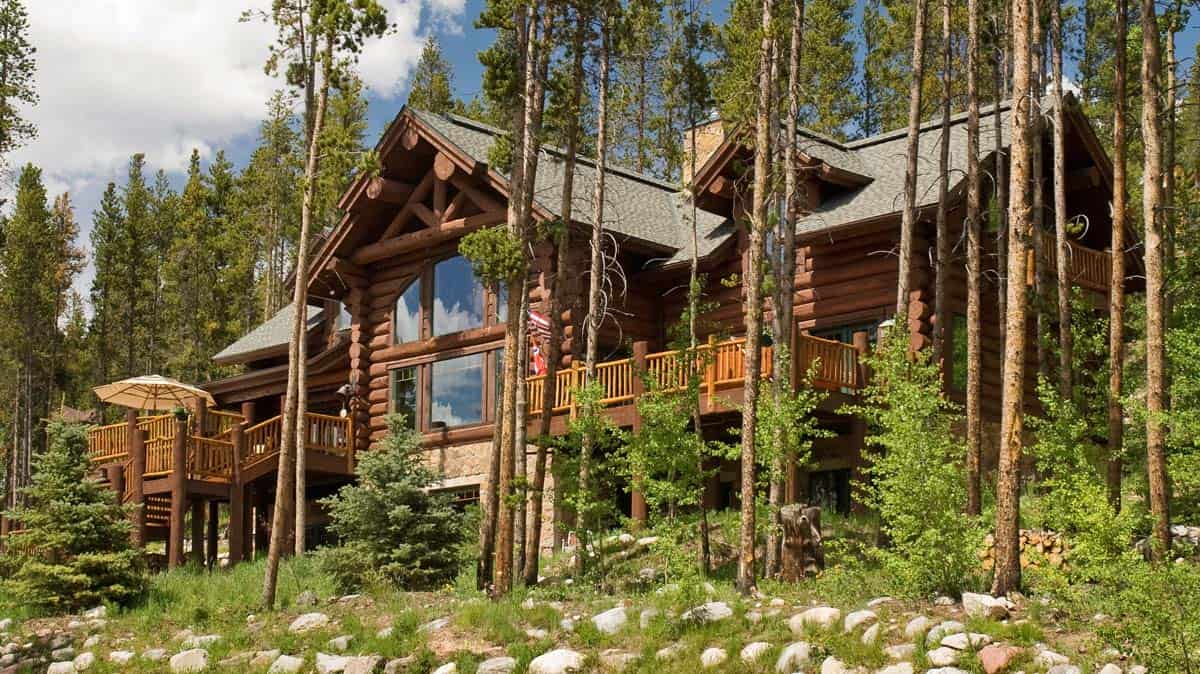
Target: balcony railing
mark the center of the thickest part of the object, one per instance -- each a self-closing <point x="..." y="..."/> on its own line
<point x="1086" y="267"/>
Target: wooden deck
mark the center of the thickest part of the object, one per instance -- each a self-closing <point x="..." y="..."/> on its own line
<point x="1086" y="267"/>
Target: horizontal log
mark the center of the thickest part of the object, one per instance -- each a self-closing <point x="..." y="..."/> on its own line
<point x="389" y="191"/>
<point x="416" y="240"/>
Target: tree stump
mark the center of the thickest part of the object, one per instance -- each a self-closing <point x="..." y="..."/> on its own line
<point x="803" y="551"/>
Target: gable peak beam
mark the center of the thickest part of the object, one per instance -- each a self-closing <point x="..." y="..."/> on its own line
<point x="418" y="195"/>
<point x="389" y="191"/>
<point x="444" y="232"/>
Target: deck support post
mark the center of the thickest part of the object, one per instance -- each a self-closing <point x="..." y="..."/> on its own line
<point x="710" y="372"/>
<point x="250" y="412"/>
<point x="261" y="520"/>
<point x="198" y="531"/>
<point x="237" y="496"/>
<point x="637" y="500"/>
<point x="116" y="479"/>
<point x="210" y="543"/>
<point x="135" y="481"/>
<point x="178" y="482"/>
<point x="862" y="344"/>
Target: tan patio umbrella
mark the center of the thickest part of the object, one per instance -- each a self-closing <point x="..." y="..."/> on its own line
<point x="151" y="392"/>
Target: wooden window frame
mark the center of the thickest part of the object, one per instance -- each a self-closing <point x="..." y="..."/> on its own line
<point x="425" y="276"/>
<point x="424" y="378"/>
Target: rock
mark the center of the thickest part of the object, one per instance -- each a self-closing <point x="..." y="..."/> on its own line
<point x="962" y="641"/>
<point x="879" y="601"/>
<point x="898" y="668"/>
<point x="1110" y="668"/>
<point x="59" y="641"/>
<point x="711" y="657"/>
<point x="1138" y="669"/>
<point x="1064" y="669"/>
<point x="942" y="656"/>
<point x="120" y="657"/>
<point x="236" y="660"/>
<point x="448" y="668"/>
<point x="1048" y="658"/>
<point x="947" y="670"/>
<point x="398" y="665"/>
<point x="668" y="652"/>
<point x="794" y="656"/>
<point x="84" y="661"/>
<point x="65" y="653"/>
<point x="942" y="629"/>
<point x="98" y="612"/>
<point x="434" y="625"/>
<point x="610" y="621"/>
<point x="6" y="624"/>
<point x="711" y="612"/>
<point x="308" y="621"/>
<point x="751" y="652"/>
<point x="647" y="574"/>
<point x="365" y="664"/>
<point x="340" y="644"/>
<point x="535" y="633"/>
<point x="900" y="651"/>
<point x="943" y="600"/>
<point x="917" y="626"/>
<point x="92" y="641"/>
<point x="557" y="661"/>
<point x="284" y="664"/>
<point x="755" y="616"/>
<point x="201" y="641"/>
<point x="191" y="660"/>
<point x="349" y="598"/>
<point x="832" y="665"/>
<point x="857" y="619"/>
<point x="385" y="633"/>
<point x="67" y="667"/>
<point x="616" y="659"/>
<point x="265" y="658"/>
<point x="647" y="616"/>
<point x="822" y="617"/>
<point x="870" y="635"/>
<point x="566" y="625"/>
<point x="330" y="664"/>
<point x="985" y="606"/>
<point x="307" y="599"/>
<point x="996" y="657"/>
<point x="498" y="665"/>
<point x="154" y="654"/>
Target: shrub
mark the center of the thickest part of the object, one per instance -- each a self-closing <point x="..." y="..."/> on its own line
<point x="390" y="527"/>
<point x="915" y="476"/>
<point x="74" y="550"/>
<point x="1156" y="611"/>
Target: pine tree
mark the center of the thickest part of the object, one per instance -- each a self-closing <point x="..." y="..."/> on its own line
<point x="638" y="84"/>
<point x="75" y="550"/>
<point x="135" y="285"/>
<point x="159" y="235"/>
<point x="1116" y="289"/>
<point x="342" y="147"/>
<point x="973" y="226"/>
<point x="432" y="87"/>
<point x="191" y="258"/>
<point x="909" y="215"/>
<point x="104" y="335"/>
<point x="17" y="70"/>
<point x="66" y="260"/>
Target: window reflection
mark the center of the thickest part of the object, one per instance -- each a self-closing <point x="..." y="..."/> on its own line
<point x="407" y="315"/>
<point x="458" y="391"/>
<point x="457" y="297"/>
<point x="404" y="394"/>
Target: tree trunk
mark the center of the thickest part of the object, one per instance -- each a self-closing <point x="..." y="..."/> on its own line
<point x="285" y="474"/>
<point x="941" y="309"/>
<point x="1116" y="290"/>
<point x="782" y="285"/>
<point x="754" y="311"/>
<point x="1063" y="280"/>
<point x="1152" y="216"/>
<point x="974" y="266"/>
<point x="1040" y="279"/>
<point x="908" y="219"/>
<point x="1007" y="549"/>
<point x="1001" y="177"/>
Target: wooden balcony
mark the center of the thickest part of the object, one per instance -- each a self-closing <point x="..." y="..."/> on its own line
<point x="1086" y="267"/>
<point x="719" y="366"/>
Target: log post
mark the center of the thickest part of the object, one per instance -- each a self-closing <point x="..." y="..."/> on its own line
<point x="862" y="344"/>
<point x="136" y="480"/>
<point x="198" y="531"/>
<point x="237" y="500"/>
<point x="250" y="412"/>
<point x="261" y="521"/>
<point x="200" y="415"/>
<point x="210" y="543"/>
<point x="116" y="479"/>
<point x="710" y="371"/>
<point x="637" y="500"/>
<point x="576" y="381"/>
<point x="178" y="483"/>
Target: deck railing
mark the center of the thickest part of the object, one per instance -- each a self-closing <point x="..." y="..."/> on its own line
<point x="218" y="423"/>
<point x="109" y="444"/>
<point x="158" y="426"/>
<point x="261" y="440"/>
<point x="158" y="457"/>
<point x="210" y="458"/>
<point x="1087" y="267"/>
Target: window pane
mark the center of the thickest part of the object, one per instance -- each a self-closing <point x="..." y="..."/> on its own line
<point x="407" y="314"/>
<point x="404" y="394"/>
<point x="458" y="391"/>
<point x="457" y="297"/>
<point x="502" y="303"/>
<point x="343" y="318"/>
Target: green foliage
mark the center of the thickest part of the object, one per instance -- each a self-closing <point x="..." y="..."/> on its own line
<point x="74" y="551"/>
<point x="916" y="480"/>
<point x="1156" y="611"/>
<point x="19" y="66"/>
<point x="390" y="527"/>
<point x="787" y="424"/>
<point x="432" y="80"/>
<point x="495" y="255"/>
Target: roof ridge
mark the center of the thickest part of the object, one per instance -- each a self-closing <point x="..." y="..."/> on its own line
<point x="928" y="125"/>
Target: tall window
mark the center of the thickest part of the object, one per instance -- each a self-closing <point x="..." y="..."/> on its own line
<point x="458" y="298"/>
<point x="406" y="319"/>
<point x="404" y="394"/>
<point x="457" y="398"/>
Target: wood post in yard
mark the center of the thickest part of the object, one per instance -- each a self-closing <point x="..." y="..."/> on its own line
<point x="637" y="500"/>
<point x="210" y="543"/>
<point x="178" y="483"/>
<point x="135" y="479"/>
<point x="198" y="531"/>
<point x="237" y="497"/>
<point x="116" y="479"/>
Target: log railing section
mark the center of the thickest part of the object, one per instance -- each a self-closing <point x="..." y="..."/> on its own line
<point x="1087" y="267"/>
<point x="327" y="433"/>
<point x="836" y="363"/>
<point x="158" y="457"/>
<point x="261" y="441"/>
<point x="109" y="444"/>
<point x="218" y="423"/>
<point x="158" y="426"/>
<point x="210" y="458"/>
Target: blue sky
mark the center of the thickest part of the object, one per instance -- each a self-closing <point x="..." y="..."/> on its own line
<point x="123" y="76"/>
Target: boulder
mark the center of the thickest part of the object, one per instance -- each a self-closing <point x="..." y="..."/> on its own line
<point x="434" y="625"/>
<point x="236" y="660"/>
<point x="962" y="641"/>
<point x="536" y="633"/>
<point x="610" y="621"/>
<point x="120" y="657"/>
<point x="265" y="658"/>
<point x="557" y="661"/>
<point x="751" y="652"/>
<point x="898" y="668"/>
<point x="942" y="629"/>
<point x="98" y="612"/>
<point x="448" y="668"/>
<point x="942" y="656"/>
<point x="857" y="619"/>
<point x="66" y="667"/>
<point x="1064" y="669"/>
<point x="364" y="664"/>
<point x="711" y="612"/>
<point x="668" y="652"/>
<point x="191" y="660"/>
<point x="498" y="665"/>
<point x="823" y="617"/>
<point x="712" y="657"/>
<point x="92" y="641"/>
<point x="832" y="665"/>
<point x="985" y="606"/>
<point x="340" y="644"/>
<point x="284" y="664"/>
<point x="6" y="624"/>
<point x="1048" y="658"/>
<point x="84" y="661"/>
<point x="398" y="665"/>
<point x="616" y="659"/>
<point x="900" y="651"/>
<point x="64" y="653"/>
<point x="154" y="654"/>
<point x="995" y="658"/>
<point x="794" y="656"/>
<point x="870" y="635"/>
<point x="330" y="664"/>
<point x="917" y="627"/>
<point x="1110" y="668"/>
<point x="947" y="670"/>
<point x="308" y="621"/>
<point x="202" y="641"/>
<point x="307" y="599"/>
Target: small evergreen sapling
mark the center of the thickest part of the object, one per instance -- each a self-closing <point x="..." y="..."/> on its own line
<point x="74" y="550"/>
<point x="390" y="527"/>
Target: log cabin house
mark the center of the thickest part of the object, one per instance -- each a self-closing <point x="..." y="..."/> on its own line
<point x="399" y="324"/>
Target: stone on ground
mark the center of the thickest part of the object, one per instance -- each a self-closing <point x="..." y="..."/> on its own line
<point x="1110" y="668"/>
<point x="985" y="606"/>
<point x="340" y="644"/>
<point x="98" y="612"/>
<point x="265" y="658"/>
<point x="668" y="652"/>
<point x="616" y="659"/>
<point x="364" y="664"/>
<point x="536" y="633"/>
<point x="898" y="668"/>
<point x="191" y="660"/>
<point x="67" y="667"/>
<point x="84" y="661"/>
<point x="610" y="621"/>
<point x="870" y="635"/>
<point x="284" y="664"/>
<point x="557" y="661"/>
<point x="823" y="617"/>
<point x="308" y="621"/>
<point x="498" y="665"/>
<point x="857" y="619"/>
<point x="943" y="656"/>
<point x="711" y="657"/>
<point x="1064" y="669"/>
<point x="794" y="656"/>
<point x="963" y="641"/>
<point x="154" y="654"/>
<point x="1048" y="658"/>
<point x="947" y="670"/>
<point x="64" y="653"/>
<point x="448" y="668"/>
<point x="202" y="641"/>
<point x="996" y="657"/>
<point x="900" y="651"/>
<point x="751" y="652"/>
<point x="6" y="624"/>
<point x="942" y="629"/>
<point x="710" y="612"/>
<point x="646" y="617"/>
<point x="120" y="657"/>
<point x="832" y="665"/>
<point x="330" y="664"/>
<point x="917" y="626"/>
<point x="307" y="599"/>
<point x="434" y="625"/>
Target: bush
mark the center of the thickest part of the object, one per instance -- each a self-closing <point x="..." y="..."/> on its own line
<point x="74" y="550"/>
<point x="915" y="476"/>
<point x="1156" y="611"/>
<point x="390" y="528"/>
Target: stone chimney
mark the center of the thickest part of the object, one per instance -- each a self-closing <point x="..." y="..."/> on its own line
<point x="708" y="136"/>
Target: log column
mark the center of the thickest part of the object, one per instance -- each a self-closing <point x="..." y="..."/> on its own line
<point x="237" y="496"/>
<point x="116" y="479"/>
<point x="637" y="500"/>
<point x="250" y="412"/>
<point x="136" y="481"/>
<point x="210" y="543"/>
<point x="262" y="521"/>
<point x="178" y="484"/>
<point x="198" y="531"/>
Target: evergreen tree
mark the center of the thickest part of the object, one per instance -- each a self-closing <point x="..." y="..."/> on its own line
<point x="17" y="69"/>
<point x="636" y="104"/>
<point x="75" y="550"/>
<point x="432" y="87"/>
<point x="342" y="147"/>
<point x="135" y="287"/>
<point x="190" y="259"/>
<point x="105" y="339"/>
